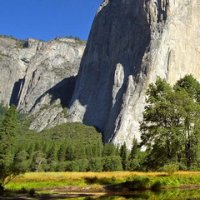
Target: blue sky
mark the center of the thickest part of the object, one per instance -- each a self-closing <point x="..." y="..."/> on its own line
<point x="47" y="19"/>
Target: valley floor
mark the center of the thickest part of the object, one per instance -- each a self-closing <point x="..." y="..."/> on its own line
<point x="62" y="185"/>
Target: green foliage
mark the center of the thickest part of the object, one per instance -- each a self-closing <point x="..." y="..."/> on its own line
<point x="8" y="130"/>
<point x="134" y="150"/>
<point x="171" y="122"/>
<point x="20" y="161"/>
<point x="109" y="150"/>
<point x="38" y="161"/>
<point x="170" y="133"/>
<point x="83" y="165"/>
<point x="135" y="157"/>
<point x="170" y="168"/>
<point x="2" y="112"/>
<point x="72" y="166"/>
<point x="61" y="148"/>
<point x="9" y="125"/>
<point x="112" y="163"/>
<point x="190" y="85"/>
<point x="95" y="165"/>
<point x="133" y="165"/>
<point x="124" y="156"/>
<point x="67" y="147"/>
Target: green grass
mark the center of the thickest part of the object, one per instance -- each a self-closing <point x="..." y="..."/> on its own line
<point x="29" y="185"/>
<point x="98" y="180"/>
<point x="42" y="184"/>
<point x="178" y="180"/>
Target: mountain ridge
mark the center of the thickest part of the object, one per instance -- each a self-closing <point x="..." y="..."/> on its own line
<point x="39" y="77"/>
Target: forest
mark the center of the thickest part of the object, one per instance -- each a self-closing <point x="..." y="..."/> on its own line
<point x="169" y="138"/>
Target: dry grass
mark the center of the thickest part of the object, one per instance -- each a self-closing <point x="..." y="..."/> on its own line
<point x="59" y="176"/>
<point x="62" y="176"/>
<point x="188" y="173"/>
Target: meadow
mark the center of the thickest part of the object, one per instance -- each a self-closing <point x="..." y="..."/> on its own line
<point x="96" y="181"/>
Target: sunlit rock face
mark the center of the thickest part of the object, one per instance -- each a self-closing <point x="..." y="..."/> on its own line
<point x="131" y="43"/>
<point x="39" y="77"/>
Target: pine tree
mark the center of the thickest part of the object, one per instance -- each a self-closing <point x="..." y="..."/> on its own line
<point x="134" y="150"/>
<point x="124" y="156"/>
<point x="62" y="153"/>
<point x="21" y="162"/>
<point x="134" y="157"/>
<point x="8" y="131"/>
<point x="52" y="158"/>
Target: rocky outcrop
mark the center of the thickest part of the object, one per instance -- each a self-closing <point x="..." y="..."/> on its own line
<point x="39" y="77"/>
<point x="130" y="44"/>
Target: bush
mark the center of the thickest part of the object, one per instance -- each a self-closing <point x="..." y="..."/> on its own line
<point x="112" y="163"/>
<point x="95" y="165"/>
<point x="61" y="167"/>
<point x="72" y="166"/>
<point x="82" y="164"/>
<point x="133" y="165"/>
<point x="170" y="168"/>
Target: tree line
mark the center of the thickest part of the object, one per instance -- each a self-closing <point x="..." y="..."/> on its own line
<point x="67" y="147"/>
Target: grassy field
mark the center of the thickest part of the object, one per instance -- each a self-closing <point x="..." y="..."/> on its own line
<point x="141" y="180"/>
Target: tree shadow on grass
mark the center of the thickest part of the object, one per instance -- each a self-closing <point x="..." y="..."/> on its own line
<point x="111" y="184"/>
<point x="100" y="181"/>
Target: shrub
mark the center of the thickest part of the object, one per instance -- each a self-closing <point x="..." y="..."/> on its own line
<point x="62" y="166"/>
<point x="112" y="163"/>
<point x="133" y="165"/>
<point x="170" y="168"/>
<point x="95" y="165"/>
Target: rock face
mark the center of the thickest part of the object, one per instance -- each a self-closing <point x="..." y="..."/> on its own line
<point x="39" y="77"/>
<point x="130" y="44"/>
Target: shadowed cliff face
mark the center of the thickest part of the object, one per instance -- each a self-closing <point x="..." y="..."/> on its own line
<point x="130" y="44"/>
<point x="118" y="40"/>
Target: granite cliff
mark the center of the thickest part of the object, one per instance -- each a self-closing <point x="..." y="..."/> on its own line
<point x="39" y="77"/>
<point x="131" y="43"/>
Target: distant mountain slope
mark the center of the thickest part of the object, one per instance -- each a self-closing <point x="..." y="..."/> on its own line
<point x="39" y="77"/>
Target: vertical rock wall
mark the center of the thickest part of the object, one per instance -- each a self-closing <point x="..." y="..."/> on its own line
<point x="130" y="44"/>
